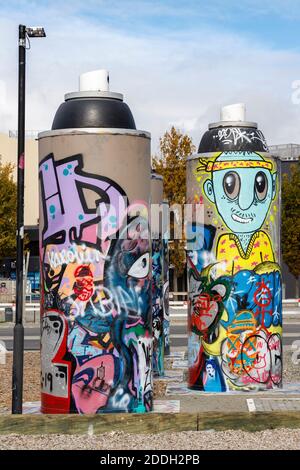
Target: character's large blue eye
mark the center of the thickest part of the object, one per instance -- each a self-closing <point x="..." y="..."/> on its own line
<point x="231" y="184"/>
<point x="261" y="185"/>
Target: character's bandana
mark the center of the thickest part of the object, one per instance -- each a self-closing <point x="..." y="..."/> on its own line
<point x="206" y="165"/>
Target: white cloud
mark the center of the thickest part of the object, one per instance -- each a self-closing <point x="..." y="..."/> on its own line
<point x="180" y="78"/>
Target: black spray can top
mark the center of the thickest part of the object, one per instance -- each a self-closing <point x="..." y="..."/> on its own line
<point x="233" y="133"/>
<point x="93" y="106"/>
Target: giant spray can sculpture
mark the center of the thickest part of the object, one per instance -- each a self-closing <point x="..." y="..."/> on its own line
<point x="233" y="256"/>
<point x="96" y="322"/>
<point x="157" y="274"/>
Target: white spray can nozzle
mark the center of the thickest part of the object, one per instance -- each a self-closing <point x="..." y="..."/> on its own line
<point x="96" y="80"/>
<point x="233" y="112"/>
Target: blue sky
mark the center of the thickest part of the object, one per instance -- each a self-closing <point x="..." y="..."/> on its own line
<point x="270" y="21"/>
<point x="176" y="62"/>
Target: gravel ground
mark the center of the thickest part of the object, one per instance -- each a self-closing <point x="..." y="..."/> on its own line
<point x="291" y="372"/>
<point x="31" y="391"/>
<point x="159" y="388"/>
<point x="202" y="440"/>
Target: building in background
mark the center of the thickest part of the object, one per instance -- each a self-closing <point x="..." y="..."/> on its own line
<point x="8" y="154"/>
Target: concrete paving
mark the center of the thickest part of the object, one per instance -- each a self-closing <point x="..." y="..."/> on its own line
<point x="235" y="403"/>
<point x="286" y="398"/>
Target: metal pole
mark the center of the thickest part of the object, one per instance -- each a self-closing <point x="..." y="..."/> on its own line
<point x="18" y="351"/>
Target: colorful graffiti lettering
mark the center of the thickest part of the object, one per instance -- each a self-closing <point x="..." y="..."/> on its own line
<point x="96" y="276"/>
<point x="243" y="342"/>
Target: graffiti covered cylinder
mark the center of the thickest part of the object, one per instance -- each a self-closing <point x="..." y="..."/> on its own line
<point x="233" y="260"/>
<point x="166" y="278"/>
<point x="157" y="274"/>
<point x="96" y="320"/>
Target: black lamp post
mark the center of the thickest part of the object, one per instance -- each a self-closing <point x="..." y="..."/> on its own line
<point x="18" y="347"/>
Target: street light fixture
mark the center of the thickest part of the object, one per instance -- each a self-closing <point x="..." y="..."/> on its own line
<point x="18" y="347"/>
<point x="35" y="32"/>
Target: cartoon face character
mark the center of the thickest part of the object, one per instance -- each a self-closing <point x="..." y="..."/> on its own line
<point x="242" y="187"/>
